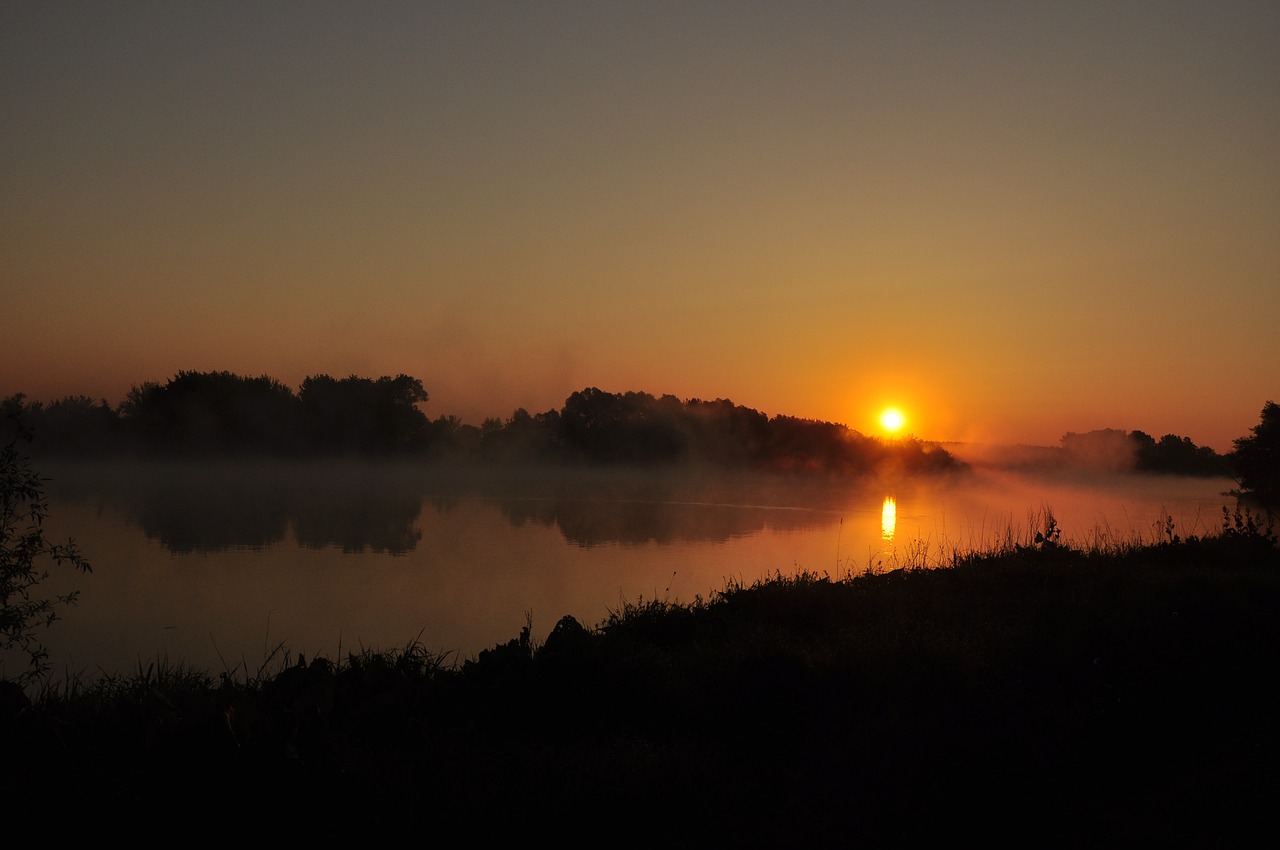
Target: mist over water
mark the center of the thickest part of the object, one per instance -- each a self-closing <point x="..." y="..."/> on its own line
<point x="218" y="565"/>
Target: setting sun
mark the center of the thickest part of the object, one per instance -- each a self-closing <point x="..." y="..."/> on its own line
<point x="892" y="420"/>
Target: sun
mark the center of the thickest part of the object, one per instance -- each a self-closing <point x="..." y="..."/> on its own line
<point x="892" y="420"/>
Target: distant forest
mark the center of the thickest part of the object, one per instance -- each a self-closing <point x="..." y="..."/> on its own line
<point x="1140" y="451"/>
<point x="221" y="414"/>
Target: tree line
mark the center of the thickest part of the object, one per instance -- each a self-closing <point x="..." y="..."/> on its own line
<point x="1127" y="451"/>
<point x="1254" y="461"/>
<point x="224" y="414"/>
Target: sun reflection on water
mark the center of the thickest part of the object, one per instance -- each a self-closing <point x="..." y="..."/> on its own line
<point x="888" y="518"/>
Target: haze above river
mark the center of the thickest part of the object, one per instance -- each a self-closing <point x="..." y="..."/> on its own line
<point x="219" y="565"/>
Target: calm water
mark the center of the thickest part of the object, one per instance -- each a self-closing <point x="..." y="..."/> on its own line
<point x="216" y="566"/>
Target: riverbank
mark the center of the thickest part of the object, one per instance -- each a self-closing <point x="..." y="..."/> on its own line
<point x="1041" y="693"/>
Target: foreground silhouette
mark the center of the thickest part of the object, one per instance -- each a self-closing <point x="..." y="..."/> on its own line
<point x="1042" y="694"/>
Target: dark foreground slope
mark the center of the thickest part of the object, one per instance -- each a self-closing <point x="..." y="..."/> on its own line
<point x="1041" y="695"/>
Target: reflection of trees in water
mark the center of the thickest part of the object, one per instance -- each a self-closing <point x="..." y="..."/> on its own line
<point x="187" y="520"/>
<point x="594" y="522"/>
<point x="363" y="507"/>
<point x="593" y="507"/>
<point x="355" y="521"/>
<point x="192" y="508"/>
<point x="186" y="511"/>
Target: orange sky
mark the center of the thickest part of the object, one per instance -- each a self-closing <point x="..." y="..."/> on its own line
<point x="1008" y="220"/>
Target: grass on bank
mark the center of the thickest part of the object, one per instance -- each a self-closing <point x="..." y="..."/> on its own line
<point x="1041" y="692"/>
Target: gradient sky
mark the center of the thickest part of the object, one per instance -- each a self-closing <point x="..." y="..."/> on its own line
<point x="1011" y="219"/>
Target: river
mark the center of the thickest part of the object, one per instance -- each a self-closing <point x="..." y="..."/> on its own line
<point x="233" y="567"/>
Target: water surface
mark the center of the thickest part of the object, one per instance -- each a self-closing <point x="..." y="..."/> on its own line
<point x="222" y="566"/>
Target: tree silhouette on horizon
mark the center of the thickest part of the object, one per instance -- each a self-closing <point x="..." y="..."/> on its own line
<point x="1257" y="458"/>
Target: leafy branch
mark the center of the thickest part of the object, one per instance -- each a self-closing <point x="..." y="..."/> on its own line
<point x="25" y="556"/>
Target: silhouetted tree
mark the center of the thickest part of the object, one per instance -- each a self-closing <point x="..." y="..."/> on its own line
<point x="806" y="445"/>
<point x="75" y="425"/>
<point x="361" y="415"/>
<point x="522" y="436"/>
<point x="638" y="428"/>
<point x="1146" y="446"/>
<point x="1106" y="449"/>
<point x="611" y="428"/>
<point x="1257" y="458"/>
<point x="213" y="412"/>
<point x="1177" y="455"/>
<point x="449" y="437"/>
<point x="79" y="425"/>
<point x="723" y="432"/>
<point x="220" y="412"/>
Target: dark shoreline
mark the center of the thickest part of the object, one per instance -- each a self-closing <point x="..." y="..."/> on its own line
<point x="1040" y="694"/>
